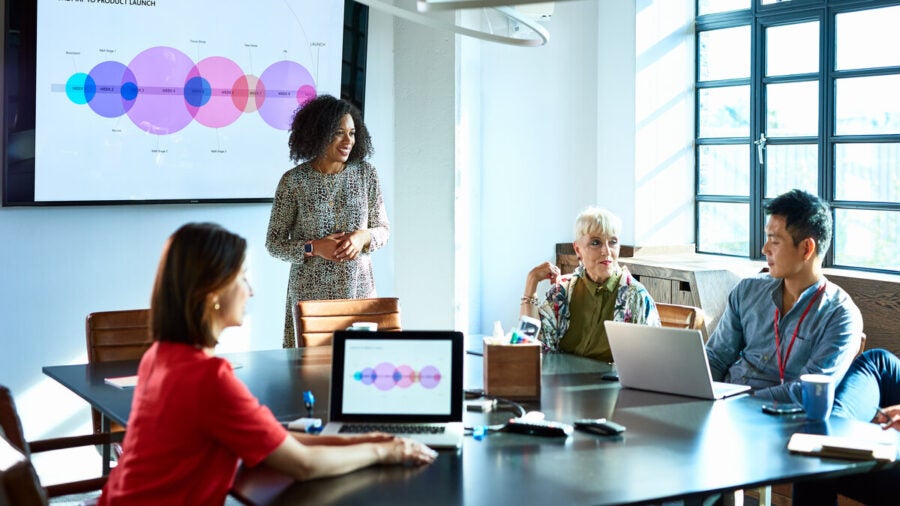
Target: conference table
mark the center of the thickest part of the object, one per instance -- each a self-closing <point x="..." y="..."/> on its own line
<point x="674" y="447"/>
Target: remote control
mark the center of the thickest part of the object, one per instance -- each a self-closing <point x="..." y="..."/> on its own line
<point x="610" y="376"/>
<point x="538" y="428"/>
<point x="599" y="426"/>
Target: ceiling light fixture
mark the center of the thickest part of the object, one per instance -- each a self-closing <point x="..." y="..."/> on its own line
<point x="444" y="5"/>
<point x="496" y="24"/>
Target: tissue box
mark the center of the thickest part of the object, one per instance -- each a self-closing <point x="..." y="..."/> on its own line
<point x="512" y="371"/>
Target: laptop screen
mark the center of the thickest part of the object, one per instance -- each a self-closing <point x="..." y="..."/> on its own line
<point x="409" y="376"/>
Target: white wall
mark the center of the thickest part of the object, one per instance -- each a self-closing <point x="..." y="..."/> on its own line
<point x="423" y="233"/>
<point x="61" y="263"/>
<point x="539" y="158"/>
<point x="468" y="201"/>
<point x="664" y="122"/>
<point x="379" y="118"/>
<point x="601" y="115"/>
<point x="615" y="64"/>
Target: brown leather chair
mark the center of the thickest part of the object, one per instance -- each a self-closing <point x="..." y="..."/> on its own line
<point x="316" y="320"/>
<point x="20" y="483"/>
<point x="116" y="335"/>
<point x="679" y="316"/>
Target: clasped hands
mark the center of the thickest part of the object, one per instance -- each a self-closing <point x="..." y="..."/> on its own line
<point x="340" y="246"/>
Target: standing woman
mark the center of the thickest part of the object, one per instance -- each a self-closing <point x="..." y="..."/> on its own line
<point x="328" y="214"/>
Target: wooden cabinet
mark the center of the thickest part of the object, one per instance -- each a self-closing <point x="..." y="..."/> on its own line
<point x="672" y="291"/>
<point x="692" y="280"/>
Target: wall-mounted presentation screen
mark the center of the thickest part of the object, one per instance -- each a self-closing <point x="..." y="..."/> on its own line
<point x="138" y="101"/>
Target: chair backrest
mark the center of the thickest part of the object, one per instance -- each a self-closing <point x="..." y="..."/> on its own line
<point x="679" y="316"/>
<point x="10" y="424"/>
<point x="116" y="335"/>
<point x="19" y="483"/>
<point x="316" y="320"/>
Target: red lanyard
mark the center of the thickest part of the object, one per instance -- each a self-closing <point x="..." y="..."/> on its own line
<point x="782" y="362"/>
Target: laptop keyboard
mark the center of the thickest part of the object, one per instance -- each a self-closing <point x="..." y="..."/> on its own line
<point x="392" y="428"/>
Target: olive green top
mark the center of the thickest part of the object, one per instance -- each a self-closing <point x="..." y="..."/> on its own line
<point x="592" y="304"/>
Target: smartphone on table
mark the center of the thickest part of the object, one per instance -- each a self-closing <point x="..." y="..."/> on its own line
<point x="782" y="408"/>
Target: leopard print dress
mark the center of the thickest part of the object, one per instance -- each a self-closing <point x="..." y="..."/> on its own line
<point x="309" y="205"/>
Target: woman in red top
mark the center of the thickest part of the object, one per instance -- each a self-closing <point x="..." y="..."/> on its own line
<point x="191" y="419"/>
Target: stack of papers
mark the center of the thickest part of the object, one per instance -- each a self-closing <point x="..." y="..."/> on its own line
<point x="843" y="447"/>
<point x="122" y="381"/>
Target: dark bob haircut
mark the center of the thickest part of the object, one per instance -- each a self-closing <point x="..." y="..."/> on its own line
<point x="316" y="122"/>
<point x="805" y="215"/>
<point x="198" y="260"/>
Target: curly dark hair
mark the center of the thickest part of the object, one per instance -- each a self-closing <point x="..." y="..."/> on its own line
<point x="314" y="125"/>
<point x="805" y="215"/>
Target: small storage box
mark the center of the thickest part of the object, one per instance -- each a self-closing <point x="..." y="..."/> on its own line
<point x="512" y="371"/>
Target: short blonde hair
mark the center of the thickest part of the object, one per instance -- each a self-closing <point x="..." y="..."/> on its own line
<point x="598" y="222"/>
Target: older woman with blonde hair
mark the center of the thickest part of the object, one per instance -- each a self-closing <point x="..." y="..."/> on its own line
<point x="573" y="310"/>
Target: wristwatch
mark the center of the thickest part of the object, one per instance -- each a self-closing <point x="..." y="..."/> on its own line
<point x="307" y="248"/>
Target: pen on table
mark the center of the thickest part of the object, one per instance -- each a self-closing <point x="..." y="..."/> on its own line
<point x="556" y="289"/>
<point x="888" y="420"/>
<point x="309" y="400"/>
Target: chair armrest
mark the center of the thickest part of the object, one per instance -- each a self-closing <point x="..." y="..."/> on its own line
<point x="76" y="487"/>
<point x="60" y="443"/>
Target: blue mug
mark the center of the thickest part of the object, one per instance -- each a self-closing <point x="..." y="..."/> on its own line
<point x="818" y="395"/>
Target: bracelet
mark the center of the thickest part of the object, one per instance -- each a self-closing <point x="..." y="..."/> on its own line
<point x="531" y="300"/>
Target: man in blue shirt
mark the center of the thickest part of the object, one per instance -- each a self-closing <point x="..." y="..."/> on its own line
<point x="791" y="320"/>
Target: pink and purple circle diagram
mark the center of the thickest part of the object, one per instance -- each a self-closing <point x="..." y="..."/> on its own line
<point x="162" y="90"/>
<point x="386" y="376"/>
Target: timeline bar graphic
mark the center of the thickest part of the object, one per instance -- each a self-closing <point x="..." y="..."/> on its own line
<point x="162" y="91"/>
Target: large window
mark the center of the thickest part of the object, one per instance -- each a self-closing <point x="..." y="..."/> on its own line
<point x="799" y="94"/>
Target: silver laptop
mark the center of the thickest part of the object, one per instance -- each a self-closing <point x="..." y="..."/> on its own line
<point x="408" y="383"/>
<point x="663" y="359"/>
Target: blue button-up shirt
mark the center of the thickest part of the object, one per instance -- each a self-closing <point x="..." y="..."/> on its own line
<point x="742" y="348"/>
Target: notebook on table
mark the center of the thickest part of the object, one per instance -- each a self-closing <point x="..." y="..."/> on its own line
<point x="408" y="383"/>
<point x="843" y="447"/>
<point x="664" y="359"/>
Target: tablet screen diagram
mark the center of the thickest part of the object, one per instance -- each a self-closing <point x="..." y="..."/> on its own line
<point x="156" y="100"/>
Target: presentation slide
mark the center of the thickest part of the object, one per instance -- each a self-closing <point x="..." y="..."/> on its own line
<point x="397" y="377"/>
<point x="175" y="99"/>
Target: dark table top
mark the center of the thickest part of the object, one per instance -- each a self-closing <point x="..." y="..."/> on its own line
<point x="674" y="447"/>
<point x="277" y="377"/>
